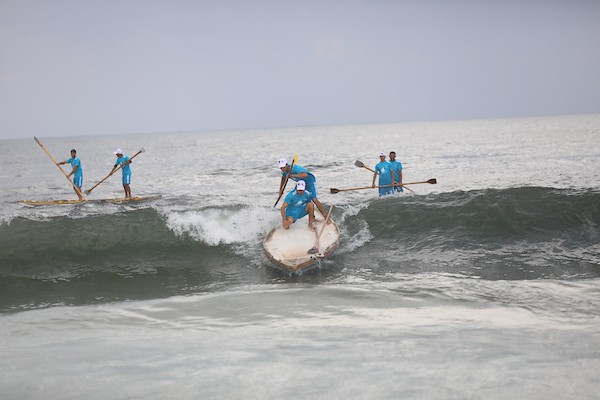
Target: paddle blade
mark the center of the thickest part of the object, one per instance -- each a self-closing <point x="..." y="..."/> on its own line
<point x="314" y="250"/>
<point x="142" y="150"/>
<point x="87" y="192"/>
<point x="432" y="181"/>
<point x="334" y="191"/>
<point x="359" y="164"/>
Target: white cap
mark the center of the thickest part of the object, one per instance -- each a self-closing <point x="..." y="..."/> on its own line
<point x="118" y="151"/>
<point x="300" y="185"/>
<point x="282" y="162"/>
<point x="382" y="154"/>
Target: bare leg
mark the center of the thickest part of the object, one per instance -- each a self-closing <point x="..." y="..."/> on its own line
<point x="290" y="221"/>
<point x="310" y="209"/>
<point x="127" y="191"/>
<point x="77" y="193"/>
<point x="321" y="209"/>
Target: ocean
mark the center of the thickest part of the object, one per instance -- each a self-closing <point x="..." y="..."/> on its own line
<point x="485" y="285"/>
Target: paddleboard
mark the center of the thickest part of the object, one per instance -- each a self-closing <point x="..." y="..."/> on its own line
<point x="36" y="203"/>
<point x="288" y="249"/>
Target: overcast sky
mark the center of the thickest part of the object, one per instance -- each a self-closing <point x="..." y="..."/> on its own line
<point x="133" y="66"/>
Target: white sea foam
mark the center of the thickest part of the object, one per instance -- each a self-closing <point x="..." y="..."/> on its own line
<point x="215" y="226"/>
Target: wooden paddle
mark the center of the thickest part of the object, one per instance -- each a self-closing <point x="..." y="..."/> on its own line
<point x="334" y="191"/>
<point x="362" y="165"/>
<point x="315" y="248"/>
<point x="112" y="172"/>
<point x="59" y="167"/>
<point x="287" y="178"/>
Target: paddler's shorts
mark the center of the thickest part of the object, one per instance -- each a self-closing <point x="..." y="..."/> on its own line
<point x="386" y="190"/>
<point x="295" y="212"/>
<point x="78" y="181"/>
<point x="126" y="179"/>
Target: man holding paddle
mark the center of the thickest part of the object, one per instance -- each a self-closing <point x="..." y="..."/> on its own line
<point x="296" y="173"/>
<point x="396" y="170"/>
<point x="77" y="173"/>
<point x="298" y="204"/>
<point x="121" y="159"/>
<point x="383" y="168"/>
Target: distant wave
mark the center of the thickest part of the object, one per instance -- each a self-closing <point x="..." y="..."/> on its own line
<point x="486" y="218"/>
<point x="139" y="237"/>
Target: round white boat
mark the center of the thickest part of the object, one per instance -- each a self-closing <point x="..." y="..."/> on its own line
<point x="289" y="248"/>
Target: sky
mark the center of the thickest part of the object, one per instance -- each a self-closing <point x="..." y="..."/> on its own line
<point x="144" y="66"/>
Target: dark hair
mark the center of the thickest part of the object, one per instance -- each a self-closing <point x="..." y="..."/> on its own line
<point x="392" y="152"/>
<point x="73" y="151"/>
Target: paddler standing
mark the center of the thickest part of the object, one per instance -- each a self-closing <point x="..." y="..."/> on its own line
<point x="385" y="176"/>
<point x="297" y="204"/>
<point x="396" y="169"/>
<point x="77" y="172"/>
<point x="121" y="159"/>
<point x="298" y="173"/>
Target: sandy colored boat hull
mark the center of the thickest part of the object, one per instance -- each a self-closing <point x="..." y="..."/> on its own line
<point x="35" y="203"/>
<point x="288" y="248"/>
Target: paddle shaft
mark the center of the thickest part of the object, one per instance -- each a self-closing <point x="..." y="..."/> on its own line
<point x="315" y="248"/>
<point x="362" y="188"/>
<point x="112" y="172"/>
<point x="376" y="187"/>
<point x="287" y="178"/>
<point x="59" y="167"/>
<point x="373" y="171"/>
<point x="361" y="164"/>
<point x="325" y="223"/>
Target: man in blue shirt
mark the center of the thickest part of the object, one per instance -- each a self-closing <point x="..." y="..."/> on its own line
<point x="385" y="176"/>
<point x="297" y="173"/>
<point x="396" y="168"/>
<point x="121" y="159"/>
<point x="297" y="204"/>
<point x="77" y="172"/>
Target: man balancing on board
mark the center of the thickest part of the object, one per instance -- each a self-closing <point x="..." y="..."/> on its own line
<point x="297" y="173"/>
<point x="297" y="204"/>
<point x="383" y="168"/>
<point x="77" y="172"/>
<point x="396" y="169"/>
<point x="121" y="159"/>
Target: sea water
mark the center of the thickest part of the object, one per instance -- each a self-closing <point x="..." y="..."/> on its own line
<point x="484" y="285"/>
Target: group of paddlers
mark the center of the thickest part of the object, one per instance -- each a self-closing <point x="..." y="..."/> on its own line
<point x="302" y="199"/>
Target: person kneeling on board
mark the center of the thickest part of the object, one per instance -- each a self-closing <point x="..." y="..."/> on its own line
<point x="297" y="204"/>
<point x="300" y="173"/>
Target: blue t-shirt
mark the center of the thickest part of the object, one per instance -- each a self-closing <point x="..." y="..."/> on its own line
<point x="310" y="179"/>
<point x="396" y="167"/>
<point x="384" y="170"/>
<point x="125" y="168"/>
<point x="76" y="162"/>
<point x="293" y="199"/>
